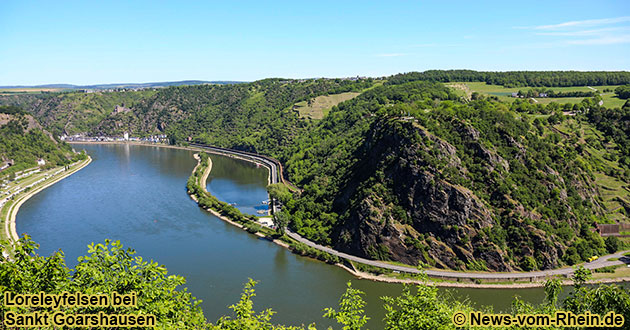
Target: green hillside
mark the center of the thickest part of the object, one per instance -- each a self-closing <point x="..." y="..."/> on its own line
<point x="23" y="142"/>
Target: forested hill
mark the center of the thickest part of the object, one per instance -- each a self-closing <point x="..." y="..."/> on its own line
<point x="520" y="78"/>
<point x="23" y="141"/>
<point x="407" y="173"/>
<point x="256" y="116"/>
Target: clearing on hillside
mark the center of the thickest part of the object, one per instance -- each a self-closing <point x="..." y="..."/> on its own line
<point x="318" y="107"/>
<point x="505" y="93"/>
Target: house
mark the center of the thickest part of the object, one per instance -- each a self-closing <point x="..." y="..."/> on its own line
<point x="41" y="162"/>
<point x="514" y="94"/>
<point x="542" y="95"/>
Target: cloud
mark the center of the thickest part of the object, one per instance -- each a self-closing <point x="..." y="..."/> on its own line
<point x="589" y="22"/>
<point x="604" y="40"/>
<point x="577" y="33"/>
<point x="582" y="32"/>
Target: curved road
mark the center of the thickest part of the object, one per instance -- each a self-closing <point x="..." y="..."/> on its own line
<point x="274" y="165"/>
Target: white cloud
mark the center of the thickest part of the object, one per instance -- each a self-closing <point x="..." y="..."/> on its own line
<point x="606" y="31"/>
<point x="589" y="22"/>
<point x="582" y="32"/>
<point x="604" y="40"/>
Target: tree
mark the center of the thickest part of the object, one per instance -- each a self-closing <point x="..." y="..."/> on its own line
<point x="107" y="268"/>
<point x="612" y="244"/>
<point x="351" y="312"/>
<point x="553" y="288"/>
<point x="281" y="221"/>
<point x="623" y="92"/>
<point x="424" y="309"/>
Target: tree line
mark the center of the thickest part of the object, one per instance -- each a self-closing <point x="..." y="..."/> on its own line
<point x="519" y="78"/>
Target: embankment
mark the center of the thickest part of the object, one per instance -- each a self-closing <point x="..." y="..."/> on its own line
<point x="9" y="231"/>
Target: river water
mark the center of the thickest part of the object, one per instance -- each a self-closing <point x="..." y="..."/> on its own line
<point x="137" y="194"/>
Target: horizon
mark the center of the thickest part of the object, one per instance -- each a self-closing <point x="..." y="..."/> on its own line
<point x="91" y="43"/>
<point x="250" y="81"/>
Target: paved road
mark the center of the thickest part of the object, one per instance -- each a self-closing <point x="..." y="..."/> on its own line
<point x="599" y="263"/>
<point x="567" y="271"/>
<point x="267" y="162"/>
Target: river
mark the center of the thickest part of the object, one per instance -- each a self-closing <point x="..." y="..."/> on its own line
<point x="137" y="194"/>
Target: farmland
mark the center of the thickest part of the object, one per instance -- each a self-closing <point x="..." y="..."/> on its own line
<point x="505" y="94"/>
<point x="319" y="107"/>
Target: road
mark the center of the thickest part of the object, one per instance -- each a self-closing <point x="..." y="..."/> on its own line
<point x="533" y="275"/>
<point x="599" y="263"/>
<point x="273" y="167"/>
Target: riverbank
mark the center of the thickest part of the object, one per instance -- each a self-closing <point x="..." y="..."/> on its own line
<point x="189" y="148"/>
<point x="202" y="183"/>
<point x="9" y="231"/>
<point x="447" y="284"/>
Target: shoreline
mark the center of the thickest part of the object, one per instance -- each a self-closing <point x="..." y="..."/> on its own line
<point x="516" y="285"/>
<point x="10" y="226"/>
<point x="358" y="274"/>
<point x="161" y="145"/>
<point x="203" y="180"/>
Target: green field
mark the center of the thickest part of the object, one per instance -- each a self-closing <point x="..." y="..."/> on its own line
<point x="319" y="107"/>
<point x="505" y="94"/>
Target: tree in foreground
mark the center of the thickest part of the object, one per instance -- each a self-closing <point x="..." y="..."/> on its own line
<point x="107" y="268"/>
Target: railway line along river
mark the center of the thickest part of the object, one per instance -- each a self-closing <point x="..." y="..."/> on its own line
<point x="137" y="194"/>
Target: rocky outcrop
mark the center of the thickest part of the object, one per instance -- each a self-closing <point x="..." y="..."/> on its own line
<point x="427" y="219"/>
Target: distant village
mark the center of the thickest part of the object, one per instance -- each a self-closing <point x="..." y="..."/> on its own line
<point x="160" y="138"/>
<point x="115" y="89"/>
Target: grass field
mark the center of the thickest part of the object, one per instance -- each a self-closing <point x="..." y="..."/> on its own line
<point x="621" y="271"/>
<point x="321" y="105"/>
<point x="505" y="94"/>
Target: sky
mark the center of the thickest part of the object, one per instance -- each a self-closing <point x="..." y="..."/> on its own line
<point x="91" y="42"/>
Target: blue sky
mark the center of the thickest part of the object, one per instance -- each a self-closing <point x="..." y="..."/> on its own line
<point x="85" y="42"/>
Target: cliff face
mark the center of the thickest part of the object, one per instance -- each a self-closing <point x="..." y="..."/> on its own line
<point x="402" y="203"/>
<point x="426" y="219"/>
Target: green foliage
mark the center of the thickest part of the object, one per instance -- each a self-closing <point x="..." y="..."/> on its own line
<point x="528" y="263"/>
<point x="422" y="308"/>
<point x="78" y="112"/>
<point x="280" y="191"/>
<point x="245" y="317"/>
<point x="612" y="244"/>
<point x="623" y="92"/>
<point x="24" y="142"/>
<point x="519" y="78"/>
<point x="366" y="151"/>
<point x="107" y="268"/>
<point x="281" y="221"/>
<point x="553" y="288"/>
<point x="477" y="265"/>
<point x="351" y="312"/>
